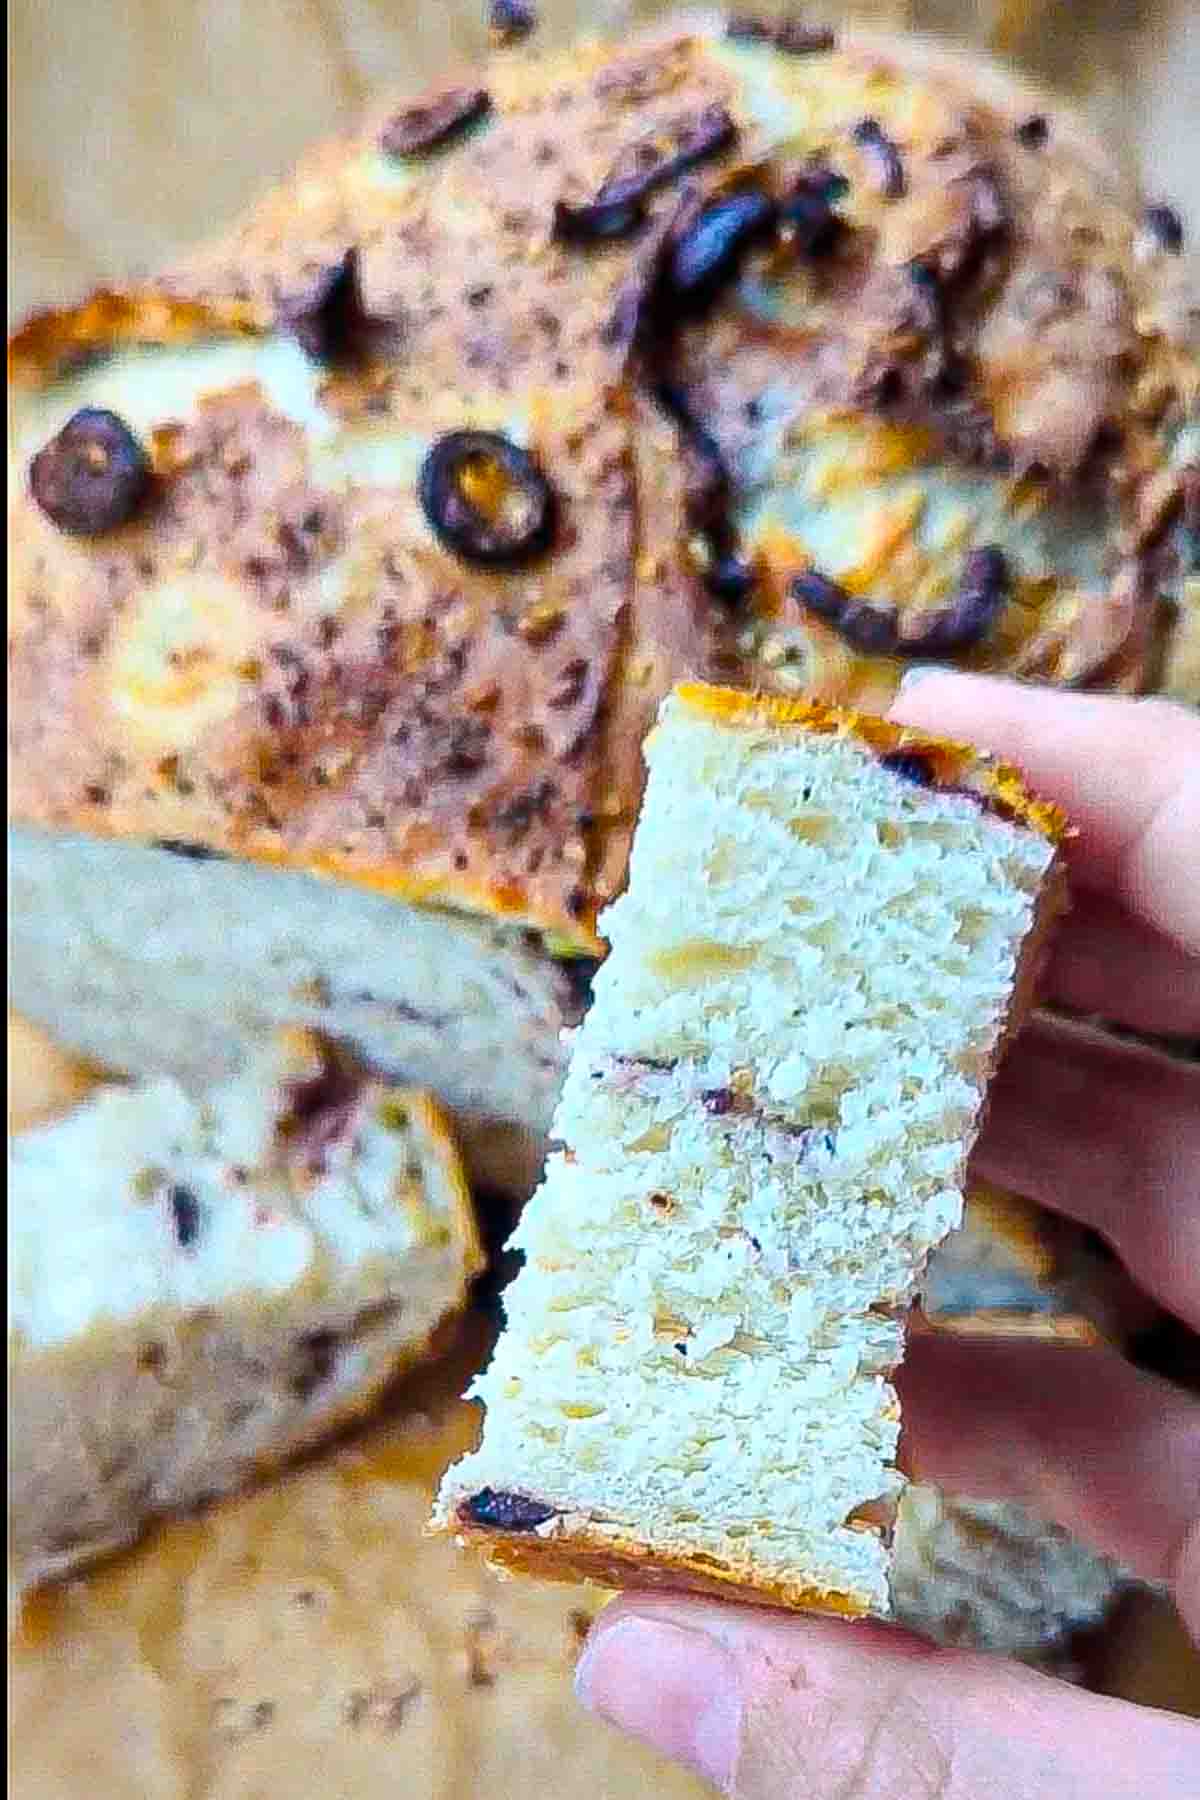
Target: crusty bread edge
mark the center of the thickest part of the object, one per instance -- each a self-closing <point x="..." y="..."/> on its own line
<point x="440" y="1140"/>
<point x="1000" y="784"/>
<point x="586" y="1552"/>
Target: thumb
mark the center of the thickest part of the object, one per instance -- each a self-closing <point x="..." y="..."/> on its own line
<point x="773" y="1707"/>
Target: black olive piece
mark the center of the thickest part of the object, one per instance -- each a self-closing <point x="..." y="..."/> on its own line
<point x="731" y="579"/>
<point x="1165" y="227"/>
<point x="1034" y="132"/>
<point x="638" y="312"/>
<point x="909" y="764"/>
<point x="579" y="972"/>
<point x="596" y="221"/>
<point x="659" y="158"/>
<point x="191" y="852"/>
<point x="807" y="212"/>
<point x="718" y="1101"/>
<point x="708" y="491"/>
<point x="792" y="37"/>
<point x="185" y="1215"/>
<point x="511" y="21"/>
<point x="650" y="163"/>
<point x="327" y="322"/>
<point x="92" y="476"/>
<point x="820" y="595"/>
<point x="870" y="136"/>
<point x="674" y="401"/>
<point x="431" y="124"/>
<point x="866" y="625"/>
<point x="509" y="520"/>
<point x="505" y="1511"/>
<point x="869" y="626"/>
<point x="981" y="596"/>
<point x="710" y="250"/>
<point x="707" y="486"/>
<point x="745" y="28"/>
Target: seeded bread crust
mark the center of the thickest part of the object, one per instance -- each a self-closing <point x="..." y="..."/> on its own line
<point x="445" y="735"/>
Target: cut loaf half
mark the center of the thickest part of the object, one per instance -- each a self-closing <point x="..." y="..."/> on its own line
<point x="199" y="1289"/>
<point x="830" y="924"/>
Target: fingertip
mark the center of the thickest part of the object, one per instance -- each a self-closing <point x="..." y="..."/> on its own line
<point x="673" y="1685"/>
<point x="940" y="699"/>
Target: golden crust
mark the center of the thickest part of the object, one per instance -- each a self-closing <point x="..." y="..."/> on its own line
<point x="276" y="660"/>
<point x="586" y="1553"/>
<point x="51" y="342"/>
<point x="950" y="763"/>
<point x="439" y="1143"/>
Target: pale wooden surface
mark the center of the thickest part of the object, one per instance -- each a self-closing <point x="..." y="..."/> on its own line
<point x="138" y="126"/>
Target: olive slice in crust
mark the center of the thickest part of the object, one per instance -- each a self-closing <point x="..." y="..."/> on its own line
<point x="92" y="475"/>
<point x="486" y="499"/>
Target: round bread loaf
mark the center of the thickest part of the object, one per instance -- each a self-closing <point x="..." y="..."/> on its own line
<point x="363" y="543"/>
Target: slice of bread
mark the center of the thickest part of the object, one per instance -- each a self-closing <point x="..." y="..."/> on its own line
<point x="830" y="923"/>
<point x="199" y="1289"/>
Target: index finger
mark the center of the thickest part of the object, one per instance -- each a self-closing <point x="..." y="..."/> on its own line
<point x="1126" y="771"/>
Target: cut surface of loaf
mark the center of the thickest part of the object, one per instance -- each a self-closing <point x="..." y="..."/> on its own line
<point x="200" y="1288"/>
<point x="765" y="1119"/>
<point x="152" y="957"/>
<point x="262" y="645"/>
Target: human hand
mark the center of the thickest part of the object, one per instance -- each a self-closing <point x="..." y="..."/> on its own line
<point x="775" y="1707"/>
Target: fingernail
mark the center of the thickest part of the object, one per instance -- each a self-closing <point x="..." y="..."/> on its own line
<point x="674" y="1688"/>
<point x="918" y="672"/>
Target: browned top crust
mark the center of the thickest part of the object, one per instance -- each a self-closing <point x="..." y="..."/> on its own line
<point x="277" y="657"/>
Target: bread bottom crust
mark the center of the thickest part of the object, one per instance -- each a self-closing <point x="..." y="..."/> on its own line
<point x="590" y="1554"/>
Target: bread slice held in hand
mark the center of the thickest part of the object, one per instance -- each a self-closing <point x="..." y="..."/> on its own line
<point x="201" y="1288"/>
<point x="830" y="924"/>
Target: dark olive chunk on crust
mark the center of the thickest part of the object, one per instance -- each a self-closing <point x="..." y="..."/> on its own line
<point x="486" y="499"/>
<point x="511" y="21"/>
<point x="429" y="124"/>
<point x="650" y="162"/>
<point x="92" y="476"/>
<point x="328" y="321"/>
<point x="506" y="1512"/>
<point x="709" y="252"/>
